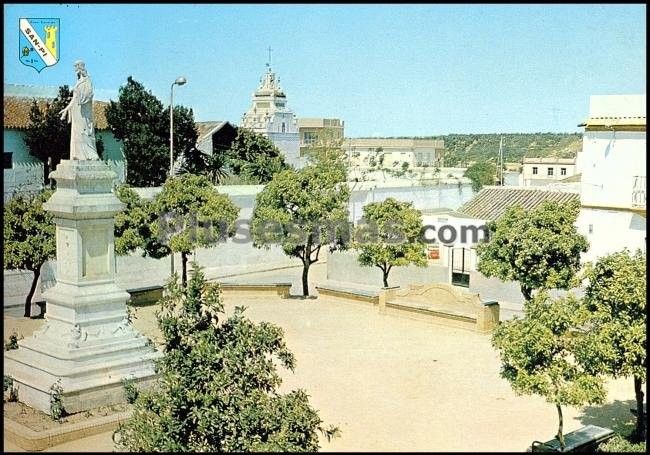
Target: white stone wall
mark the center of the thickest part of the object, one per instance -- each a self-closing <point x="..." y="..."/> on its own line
<point x="343" y="266"/>
<point x="450" y="196"/>
<point x="26" y="172"/>
<point x="361" y="157"/>
<point x="289" y="145"/>
<point x="134" y="271"/>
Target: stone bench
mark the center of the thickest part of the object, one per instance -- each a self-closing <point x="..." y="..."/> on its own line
<point x="145" y="295"/>
<point x="585" y="439"/>
<point x="348" y="291"/>
<point x="441" y="303"/>
<point x="256" y="289"/>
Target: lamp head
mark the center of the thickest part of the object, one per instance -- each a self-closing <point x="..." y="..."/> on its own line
<point x="180" y="80"/>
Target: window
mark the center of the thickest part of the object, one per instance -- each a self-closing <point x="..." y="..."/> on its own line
<point x="534" y="170"/>
<point x="283" y="127"/>
<point x="549" y="172"/>
<point x="309" y="137"/>
<point x="8" y="160"/>
<point x="591" y="228"/>
<point x="562" y="171"/>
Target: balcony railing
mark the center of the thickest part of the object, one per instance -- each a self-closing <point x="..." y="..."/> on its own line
<point x="638" y="191"/>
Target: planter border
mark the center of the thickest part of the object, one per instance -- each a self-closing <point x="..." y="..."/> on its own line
<point x="36" y="441"/>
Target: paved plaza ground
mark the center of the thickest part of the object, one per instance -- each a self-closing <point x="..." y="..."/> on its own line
<point x="395" y="384"/>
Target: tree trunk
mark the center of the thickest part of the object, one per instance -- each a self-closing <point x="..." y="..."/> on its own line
<point x="560" y="435"/>
<point x="385" y="276"/>
<point x="32" y="290"/>
<point x="305" y="275"/>
<point x="640" y="432"/>
<point x="527" y="293"/>
<point x="184" y="261"/>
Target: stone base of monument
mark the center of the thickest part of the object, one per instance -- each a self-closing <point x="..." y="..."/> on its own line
<point x="87" y="344"/>
<point x="89" y="376"/>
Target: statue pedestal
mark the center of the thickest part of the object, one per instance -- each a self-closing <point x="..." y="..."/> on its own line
<point x="87" y="341"/>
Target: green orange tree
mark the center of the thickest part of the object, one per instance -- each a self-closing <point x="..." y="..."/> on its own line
<point x="217" y="389"/>
<point x="29" y="239"/>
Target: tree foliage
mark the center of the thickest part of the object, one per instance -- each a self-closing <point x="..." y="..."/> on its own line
<point x="304" y="210"/>
<point x="29" y="239"/>
<point x="395" y="231"/>
<point x="190" y="213"/>
<point x="615" y="299"/>
<point x="185" y="137"/>
<point x="134" y="226"/>
<point x="218" y="383"/>
<point x="141" y="122"/>
<point x="538" y="354"/>
<point x="539" y="248"/>
<point x="481" y="174"/>
<point x="253" y="157"/>
<point x="48" y="136"/>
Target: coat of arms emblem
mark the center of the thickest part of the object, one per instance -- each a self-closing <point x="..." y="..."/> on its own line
<point x="39" y="42"/>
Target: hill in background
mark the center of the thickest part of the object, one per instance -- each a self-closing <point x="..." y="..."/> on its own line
<point x="462" y="149"/>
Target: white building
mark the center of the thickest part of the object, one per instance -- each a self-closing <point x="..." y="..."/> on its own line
<point x="452" y="237"/>
<point x="493" y="201"/>
<point x="270" y="116"/>
<point x="612" y="165"/>
<point x="317" y="130"/>
<point x="392" y="153"/>
<point x="542" y="171"/>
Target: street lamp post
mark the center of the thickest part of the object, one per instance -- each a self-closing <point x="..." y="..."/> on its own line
<point x="179" y="81"/>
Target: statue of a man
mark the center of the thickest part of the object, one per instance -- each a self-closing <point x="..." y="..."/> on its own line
<point x="80" y="114"/>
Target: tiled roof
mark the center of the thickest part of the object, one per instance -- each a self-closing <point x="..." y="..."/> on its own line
<point x="205" y="128"/>
<point x="573" y="178"/>
<point x="548" y="160"/>
<point x="442" y="211"/>
<point x="16" y="111"/>
<point x="614" y="123"/>
<point x="492" y="201"/>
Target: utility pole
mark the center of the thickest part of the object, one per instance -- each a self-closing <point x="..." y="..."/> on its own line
<point x="501" y="161"/>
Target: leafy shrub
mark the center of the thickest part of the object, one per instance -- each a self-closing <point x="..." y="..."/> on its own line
<point x="7" y="382"/>
<point x="217" y="385"/>
<point x="56" y="401"/>
<point x="619" y="444"/>
<point x="131" y="391"/>
<point x="8" y="386"/>
<point x="12" y="343"/>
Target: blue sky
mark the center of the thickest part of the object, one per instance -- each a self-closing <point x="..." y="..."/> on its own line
<point x="386" y="70"/>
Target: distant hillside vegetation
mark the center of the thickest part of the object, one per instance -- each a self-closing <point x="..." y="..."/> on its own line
<point x="461" y="149"/>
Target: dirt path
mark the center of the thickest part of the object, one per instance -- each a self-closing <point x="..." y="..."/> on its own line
<point x="396" y="384"/>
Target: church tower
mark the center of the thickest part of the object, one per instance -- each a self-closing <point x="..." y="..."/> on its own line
<point x="270" y="116"/>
